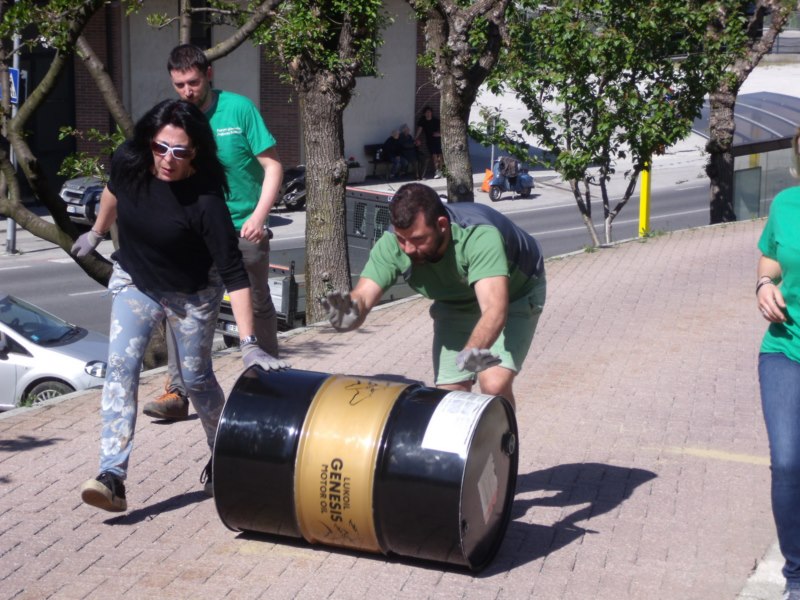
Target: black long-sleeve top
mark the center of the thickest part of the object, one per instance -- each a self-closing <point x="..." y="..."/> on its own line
<point x="170" y="233"/>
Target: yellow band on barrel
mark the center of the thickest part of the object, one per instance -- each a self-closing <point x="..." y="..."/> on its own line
<point x="336" y="460"/>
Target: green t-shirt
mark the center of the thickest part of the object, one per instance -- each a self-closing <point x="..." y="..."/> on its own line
<point x="780" y="241"/>
<point x="474" y="253"/>
<point x="241" y="134"/>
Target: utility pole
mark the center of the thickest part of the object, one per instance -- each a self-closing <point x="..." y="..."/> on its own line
<point x="11" y="225"/>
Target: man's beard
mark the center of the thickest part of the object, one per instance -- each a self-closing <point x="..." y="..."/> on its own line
<point x="431" y="257"/>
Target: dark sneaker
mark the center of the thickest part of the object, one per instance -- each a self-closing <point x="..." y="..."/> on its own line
<point x="206" y="478"/>
<point x="105" y="491"/>
<point x="172" y="406"/>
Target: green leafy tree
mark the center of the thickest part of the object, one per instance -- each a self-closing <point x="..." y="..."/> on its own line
<point x="606" y="81"/>
<point x="463" y="40"/>
<point x="324" y="45"/>
<point x="58" y="24"/>
<point x="740" y="24"/>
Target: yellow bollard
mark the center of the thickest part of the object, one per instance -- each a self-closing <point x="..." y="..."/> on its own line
<point x="644" y="203"/>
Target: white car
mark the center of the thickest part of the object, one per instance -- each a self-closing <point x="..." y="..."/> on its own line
<point x="42" y="356"/>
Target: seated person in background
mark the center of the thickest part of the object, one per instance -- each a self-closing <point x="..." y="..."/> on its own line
<point x="393" y="153"/>
<point x="409" y="145"/>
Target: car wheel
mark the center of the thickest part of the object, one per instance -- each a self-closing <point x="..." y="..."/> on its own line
<point x="526" y="192"/>
<point x="494" y="193"/>
<point x="44" y="390"/>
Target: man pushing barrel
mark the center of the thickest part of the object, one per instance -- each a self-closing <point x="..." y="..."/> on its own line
<point x="485" y="275"/>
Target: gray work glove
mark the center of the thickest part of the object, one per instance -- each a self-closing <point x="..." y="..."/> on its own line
<point x="253" y="355"/>
<point x="86" y="243"/>
<point x="476" y="360"/>
<point x="342" y="311"/>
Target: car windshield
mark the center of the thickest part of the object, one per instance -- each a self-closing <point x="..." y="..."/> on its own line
<point x="33" y="323"/>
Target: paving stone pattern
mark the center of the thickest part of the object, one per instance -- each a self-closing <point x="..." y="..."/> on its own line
<point x="643" y="461"/>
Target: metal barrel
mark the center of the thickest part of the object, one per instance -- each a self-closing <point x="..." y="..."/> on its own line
<point x="367" y="464"/>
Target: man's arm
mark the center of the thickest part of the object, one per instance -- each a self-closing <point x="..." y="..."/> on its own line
<point x="366" y="295"/>
<point x="253" y="228"/>
<point x="492" y="294"/>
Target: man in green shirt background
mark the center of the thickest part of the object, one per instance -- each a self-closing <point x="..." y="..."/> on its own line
<point x="248" y="152"/>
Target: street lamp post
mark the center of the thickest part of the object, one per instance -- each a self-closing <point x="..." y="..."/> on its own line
<point x="11" y="225"/>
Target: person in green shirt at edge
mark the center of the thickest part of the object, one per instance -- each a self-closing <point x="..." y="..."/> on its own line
<point x="778" y="297"/>
<point x="248" y="152"/>
<point x="485" y="275"/>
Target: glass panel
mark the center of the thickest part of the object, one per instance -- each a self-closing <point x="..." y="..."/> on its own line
<point x="746" y="193"/>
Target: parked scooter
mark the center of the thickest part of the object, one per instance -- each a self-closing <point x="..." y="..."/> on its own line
<point x="509" y="176"/>
<point x="293" y="188"/>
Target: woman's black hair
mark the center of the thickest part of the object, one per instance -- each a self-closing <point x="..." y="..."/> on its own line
<point x="133" y="163"/>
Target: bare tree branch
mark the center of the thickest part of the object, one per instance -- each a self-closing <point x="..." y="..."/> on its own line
<point x="230" y="44"/>
<point x="106" y="86"/>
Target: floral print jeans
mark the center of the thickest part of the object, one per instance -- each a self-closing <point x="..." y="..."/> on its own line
<point x="191" y="319"/>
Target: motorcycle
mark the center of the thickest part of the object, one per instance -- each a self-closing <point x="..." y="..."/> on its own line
<point x="509" y="176"/>
<point x="293" y="188"/>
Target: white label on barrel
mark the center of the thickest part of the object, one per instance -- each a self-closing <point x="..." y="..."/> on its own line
<point x="488" y="488"/>
<point x="452" y="423"/>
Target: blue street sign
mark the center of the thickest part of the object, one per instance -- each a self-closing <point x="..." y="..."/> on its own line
<point x="13" y="83"/>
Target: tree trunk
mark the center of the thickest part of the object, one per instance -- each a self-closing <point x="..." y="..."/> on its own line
<point x="585" y="208"/>
<point x="719" y="169"/>
<point x="610" y="214"/>
<point x="327" y="266"/>
<point x="461" y="64"/>
<point x="454" y="115"/>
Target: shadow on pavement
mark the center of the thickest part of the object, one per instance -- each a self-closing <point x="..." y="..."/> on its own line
<point x="174" y="503"/>
<point x="154" y="421"/>
<point x="278" y="221"/>
<point x="26" y="442"/>
<point x="595" y="488"/>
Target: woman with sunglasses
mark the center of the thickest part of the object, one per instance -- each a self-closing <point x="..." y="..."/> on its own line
<point x="166" y="195"/>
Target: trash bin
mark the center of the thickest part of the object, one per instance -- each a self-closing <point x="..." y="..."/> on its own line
<point x="367" y="464"/>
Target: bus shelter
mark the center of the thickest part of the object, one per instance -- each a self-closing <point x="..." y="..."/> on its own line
<point x="762" y="149"/>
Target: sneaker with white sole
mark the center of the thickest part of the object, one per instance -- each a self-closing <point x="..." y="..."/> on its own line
<point x="105" y="491"/>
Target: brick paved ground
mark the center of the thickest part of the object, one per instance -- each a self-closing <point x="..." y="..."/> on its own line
<point x="643" y="467"/>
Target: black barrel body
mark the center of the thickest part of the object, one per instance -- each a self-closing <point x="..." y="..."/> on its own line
<point x="366" y="464"/>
